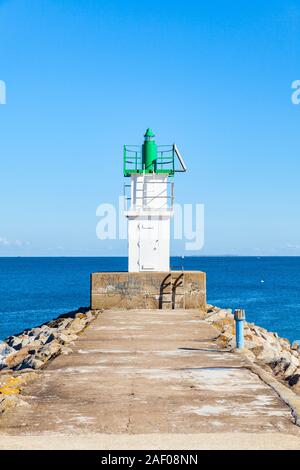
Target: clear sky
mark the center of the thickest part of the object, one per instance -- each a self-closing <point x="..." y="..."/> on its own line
<point x="83" y="77"/>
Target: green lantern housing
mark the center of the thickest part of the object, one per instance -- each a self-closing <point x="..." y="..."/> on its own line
<point x="150" y="158"/>
<point x="149" y="152"/>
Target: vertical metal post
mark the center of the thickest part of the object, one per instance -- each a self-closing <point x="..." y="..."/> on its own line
<point x="239" y="316"/>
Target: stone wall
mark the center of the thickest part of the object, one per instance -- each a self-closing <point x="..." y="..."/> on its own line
<point x="149" y="290"/>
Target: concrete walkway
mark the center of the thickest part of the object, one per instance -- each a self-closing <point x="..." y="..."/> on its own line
<point x="148" y="372"/>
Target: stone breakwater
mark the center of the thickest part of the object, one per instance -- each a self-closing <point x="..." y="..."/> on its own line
<point x="22" y="355"/>
<point x="262" y="347"/>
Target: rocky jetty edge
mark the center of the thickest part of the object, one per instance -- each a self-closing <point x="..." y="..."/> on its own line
<point x="23" y="355"/>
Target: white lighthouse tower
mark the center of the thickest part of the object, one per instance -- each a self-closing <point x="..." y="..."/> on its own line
<point x="149" y="208"/>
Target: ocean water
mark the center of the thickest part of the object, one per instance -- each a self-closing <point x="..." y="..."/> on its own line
<point x="35" y="290"/>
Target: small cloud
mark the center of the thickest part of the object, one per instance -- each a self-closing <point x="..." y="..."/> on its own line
<point x="5" y="242"/>
<point x="293" y="247"/>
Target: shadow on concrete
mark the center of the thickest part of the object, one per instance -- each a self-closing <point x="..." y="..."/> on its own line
<point x="220" y="351"/>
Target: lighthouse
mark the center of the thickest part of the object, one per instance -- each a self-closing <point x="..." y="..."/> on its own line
<point x="149" y="201"/>
<point x="149" y="171"/>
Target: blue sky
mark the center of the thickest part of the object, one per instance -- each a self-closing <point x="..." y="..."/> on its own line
<point x="84" y="77"/>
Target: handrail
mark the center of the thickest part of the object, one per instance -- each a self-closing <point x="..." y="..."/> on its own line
<point x="164" y="164"/>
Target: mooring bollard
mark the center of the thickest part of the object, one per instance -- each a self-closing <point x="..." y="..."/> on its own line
<point x="239" y="316"/>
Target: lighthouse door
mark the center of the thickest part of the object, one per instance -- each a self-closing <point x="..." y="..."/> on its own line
<point x="149" y="246"/>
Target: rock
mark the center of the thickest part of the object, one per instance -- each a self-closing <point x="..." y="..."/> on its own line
<point x="279" y="366"/>
<point x="5" y="349"/>
<point x="90" y="315"/>
<point x="30" y="362"/>
<point x="225" y="337"/>
<point x="264" y="336"/>
<point x="293" y="366"/>
<point x="27" y="340"/>
<point x="295" y="345"/>
<point x="34" y="331"/>
<point x="228" y="328"/>
<point x="63" y="324"/>
<point x="268" y="353"/>
<point x="15" y="342"/>
<point x="220" y="318"/>
<point x="16" y="358"/>
<point x="54" y="347"/>
<point x="284" y="342"/>
<point x="286" y="365"/>
<point x="294" y="379"/>
<point x="13" y="360"/>
<point x="45" y="338"/>
<point x="286" y="356"/>
<point x="80" y="315"/>
<point x="252" y="341"/>
<point x="77" y="325"/>
<point x="66" y="338"/>
<point x="209" y="307"/>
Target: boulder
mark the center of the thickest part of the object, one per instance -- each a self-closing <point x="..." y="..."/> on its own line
<point x="5" y="349"/>
<point x="252" y="341"/>
<point x="286" y="356"/>
<point x="15" y="342"/>
<point x="292" y="367"/>
<point x="219" y="315"/>
<point x="80" y="315"/>
<point x="30" y="362"/>
<point x="66" y="338"/>
<point x="13" y="360"/>
<point x="228" y="328"/>
<point x="284" y="342"/>
<point x="268" y="353"/>
<point x="45" y="337"/>
<point x="16" y="358"/>
<point x="63" y="324"/>
<point x="26" y="340"/>
<point x="34" y="331"/>
<point x="294" y="379"/>
<point x="54" y="347"/>
<point x="76" y="326"/>
<point x="225" y="338"/>
<point x="90" y="315"/>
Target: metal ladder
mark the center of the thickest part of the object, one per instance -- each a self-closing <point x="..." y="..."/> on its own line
<point x="173" y="290"/>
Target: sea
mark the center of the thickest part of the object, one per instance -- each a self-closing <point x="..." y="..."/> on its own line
<point x="35" y="290"/>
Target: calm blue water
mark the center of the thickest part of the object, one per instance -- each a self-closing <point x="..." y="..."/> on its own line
<point x="34" y="290"/>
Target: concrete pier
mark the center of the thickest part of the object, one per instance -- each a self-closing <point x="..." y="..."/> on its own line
<point x="142" y="377"/>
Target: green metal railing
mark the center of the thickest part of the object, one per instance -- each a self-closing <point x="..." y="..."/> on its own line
<point x="133" y="160"/>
